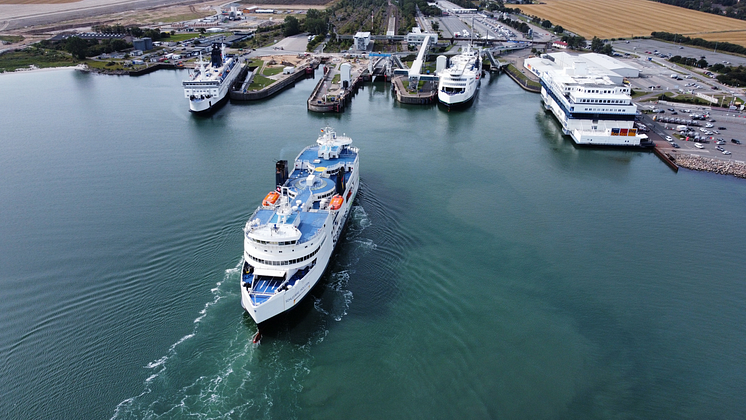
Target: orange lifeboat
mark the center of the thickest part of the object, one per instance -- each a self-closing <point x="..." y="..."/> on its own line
<point x="271" y="198"/>
<point x="336" y="203"/>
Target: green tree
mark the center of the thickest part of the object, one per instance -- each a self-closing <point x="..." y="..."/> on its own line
<point x="546" y="24"/>
<point x="702" y="63"/>
<point x="77" y="47"/>
<point x="607" y="49"/>
<point x="596" y="44"/>
<point x="558" y="29"/>
<point x="292" y="26"/>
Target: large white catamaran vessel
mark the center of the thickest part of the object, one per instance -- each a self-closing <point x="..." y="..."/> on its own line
<point x="289" y="239"/>
<point x="459" y="82"/>
<point x="208" y="84"/>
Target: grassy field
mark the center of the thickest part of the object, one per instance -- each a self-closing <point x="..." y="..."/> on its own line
<point x="11" y="38"/>
<point x="38" y="57"/>
<point x="271" y="71"/>
<point x="626" y="18"/>
<point x="259" y="82"/>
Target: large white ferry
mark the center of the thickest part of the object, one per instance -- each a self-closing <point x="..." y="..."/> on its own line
<point x="593" y="107"/>
<point x="459" y="82"/>
<point x="208" y="85"/>
<point x="290" y="237"/>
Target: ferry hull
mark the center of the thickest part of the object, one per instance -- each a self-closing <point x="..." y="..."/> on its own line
<point x="205" y="106"/>
<point x="457" y="101"/>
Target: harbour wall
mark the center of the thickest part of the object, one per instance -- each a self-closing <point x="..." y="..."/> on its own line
<point x="416" y="98"/>
<point x="272" y="89"/>
<point x="316" y="105"/>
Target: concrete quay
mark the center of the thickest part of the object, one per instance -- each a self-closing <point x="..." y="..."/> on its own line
<point x="330" y="95"/>
<point x="236" y="94"/>
<point x="427" y="95"/>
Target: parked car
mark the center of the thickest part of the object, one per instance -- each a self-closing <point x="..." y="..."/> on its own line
<point x="735" y="141"/>
<point x="720" y="148"/>
<point x="722" y="128"/>
<point x="669" y="139"/>
<point x="725" y="152"/>
<point x="698" y="146"/>
<point x="676" y="146"/>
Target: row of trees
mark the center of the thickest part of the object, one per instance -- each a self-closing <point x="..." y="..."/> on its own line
<point x="316" y="23"/>
<point x="81" y="48"/>
<point x="731" y="76"/>
<point x="136" y="31"/>
<point x="517" y="24"/>
<point x="574" y="42"/>
<point x="689" y="61"/>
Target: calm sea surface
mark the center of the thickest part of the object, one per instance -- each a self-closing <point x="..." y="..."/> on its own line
<point x="489" y="270"/>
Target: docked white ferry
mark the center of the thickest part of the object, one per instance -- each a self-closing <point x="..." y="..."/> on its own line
<point x="459" y="82"/>
<point x="593" y="107"/>
<point x="209" y="83"/>
<point x="291" y="236"/>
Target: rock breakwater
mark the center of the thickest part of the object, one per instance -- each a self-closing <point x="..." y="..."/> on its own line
<point x="699" y="163"/>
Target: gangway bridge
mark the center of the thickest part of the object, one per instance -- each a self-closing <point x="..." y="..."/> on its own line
<point x="495" y="63"/>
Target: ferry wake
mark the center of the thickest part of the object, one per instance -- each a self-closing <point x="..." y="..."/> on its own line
<point x="291" y="236"/>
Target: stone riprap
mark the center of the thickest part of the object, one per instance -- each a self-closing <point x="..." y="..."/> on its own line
<point x="699" y="163"/>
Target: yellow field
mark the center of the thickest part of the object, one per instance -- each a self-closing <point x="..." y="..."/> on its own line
<point x="37" y="1"/>
<point x="625" y="18"/>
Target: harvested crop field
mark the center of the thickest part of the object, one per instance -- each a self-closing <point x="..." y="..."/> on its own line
<point x="625" y="18"/>
<point x="37" y="1"/>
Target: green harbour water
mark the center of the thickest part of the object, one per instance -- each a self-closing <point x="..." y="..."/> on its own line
<point x="489" y="269"/>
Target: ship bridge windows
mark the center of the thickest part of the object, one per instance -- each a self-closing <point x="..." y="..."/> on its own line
<point x="281" y="243"/>
<point x="287" y="262"/>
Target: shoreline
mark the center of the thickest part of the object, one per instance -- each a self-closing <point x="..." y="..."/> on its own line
<point x="44" y="69"/>
<point x="705" y="164"/>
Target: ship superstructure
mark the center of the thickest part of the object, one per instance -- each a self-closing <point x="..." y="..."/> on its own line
<point x="593" y="108"/>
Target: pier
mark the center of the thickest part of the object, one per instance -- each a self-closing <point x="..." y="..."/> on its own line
<point x="240" y="90"/>
<point x="340" y="82"/>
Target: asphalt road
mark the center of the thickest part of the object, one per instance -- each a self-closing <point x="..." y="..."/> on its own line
<point x="639" y="46"/>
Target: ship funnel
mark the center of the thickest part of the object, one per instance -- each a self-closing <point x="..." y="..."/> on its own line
<point x="281" y="172"/>
<point x="340" y="185"/>
<point x="216" y="56"/>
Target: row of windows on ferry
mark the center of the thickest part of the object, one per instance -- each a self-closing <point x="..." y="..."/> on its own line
<point x="287" y="262"/>
<point x="603" y="101"/>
